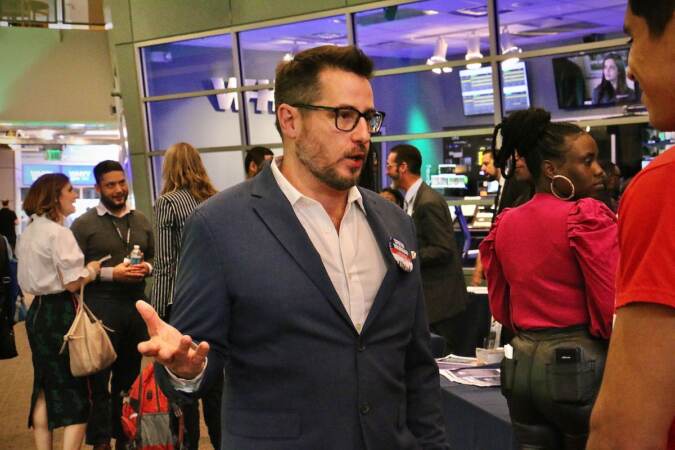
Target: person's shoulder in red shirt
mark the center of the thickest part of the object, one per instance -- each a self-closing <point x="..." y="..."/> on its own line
<point x="636" y="404"/>
<point x="646" y="237"/>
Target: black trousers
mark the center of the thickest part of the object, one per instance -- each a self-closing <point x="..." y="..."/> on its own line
<point x="452" y="330"/>
<point x="550" y="386"/>
<point x="211" y="405"/>
<point x="108" y="386"/>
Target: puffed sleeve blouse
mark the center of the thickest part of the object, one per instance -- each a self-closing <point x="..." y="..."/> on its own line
<point x="551" y="264"/>
<point x="49" y="257"/>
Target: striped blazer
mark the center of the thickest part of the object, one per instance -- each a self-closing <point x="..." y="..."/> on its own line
<point x="171" y="210"/>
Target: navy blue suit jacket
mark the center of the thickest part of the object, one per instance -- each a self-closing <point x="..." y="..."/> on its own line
<point x="297" y="374"/>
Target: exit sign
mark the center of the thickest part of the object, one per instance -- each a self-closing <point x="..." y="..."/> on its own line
<point x="53" y="154"/>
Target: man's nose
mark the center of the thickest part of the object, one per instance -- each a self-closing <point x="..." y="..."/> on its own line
<point x="362" y="131"/>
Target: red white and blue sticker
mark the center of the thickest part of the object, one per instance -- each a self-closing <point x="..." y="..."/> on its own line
<point x="403" y="257"/>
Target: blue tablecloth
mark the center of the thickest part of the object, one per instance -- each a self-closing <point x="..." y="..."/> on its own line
<point x="476" y="417"/>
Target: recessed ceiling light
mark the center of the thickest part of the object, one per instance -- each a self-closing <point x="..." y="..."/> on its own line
<point x="479" y="11"/>
<point x="328" y="36"/>
<point x="430" y="12"/>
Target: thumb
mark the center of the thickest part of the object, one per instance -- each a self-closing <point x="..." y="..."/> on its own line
<point x="150" y="317"/>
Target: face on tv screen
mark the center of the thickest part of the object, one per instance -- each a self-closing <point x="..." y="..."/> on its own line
<point x="594" y="79"/>
<point x="477" y="89"/>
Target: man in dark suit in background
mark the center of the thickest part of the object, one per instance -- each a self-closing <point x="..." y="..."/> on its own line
<point x="330" y="349"/>
<point x="255" y="160"/>
<point x="442" y="276"/>
<point x="8" y="223"/>
<point x="512" y="192"/>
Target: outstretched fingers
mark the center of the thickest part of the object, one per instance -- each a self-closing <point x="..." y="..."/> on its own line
<point x="150" y="317"/>
<point x="198" y="353"/>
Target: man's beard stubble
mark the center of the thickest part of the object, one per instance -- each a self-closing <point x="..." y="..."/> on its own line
<point x="329" y="175"/>
<point x="111" y="205"/>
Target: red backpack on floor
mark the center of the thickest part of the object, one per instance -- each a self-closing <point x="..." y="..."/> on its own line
<point x="149" y="419"/>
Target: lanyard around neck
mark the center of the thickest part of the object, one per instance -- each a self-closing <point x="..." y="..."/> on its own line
<point x="119" y="233"/>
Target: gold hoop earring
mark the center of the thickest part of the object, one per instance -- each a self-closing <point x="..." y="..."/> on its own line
<point x="557" y="195"/>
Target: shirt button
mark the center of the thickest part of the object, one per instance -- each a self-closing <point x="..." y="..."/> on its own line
<point x="364" y="409"/>
<point x="361" y="346"/>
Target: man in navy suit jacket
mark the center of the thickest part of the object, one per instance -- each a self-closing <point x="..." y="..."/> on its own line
<point x="305" y="289"/>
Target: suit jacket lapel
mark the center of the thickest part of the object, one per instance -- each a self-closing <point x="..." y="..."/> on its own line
<point x="382" y="236"/>
<point x="276" y="212"/>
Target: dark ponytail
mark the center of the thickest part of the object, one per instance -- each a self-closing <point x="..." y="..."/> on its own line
<point x="534" y="136"/>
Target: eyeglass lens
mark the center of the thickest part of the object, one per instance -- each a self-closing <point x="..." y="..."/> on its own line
<point x="347" y="119"/>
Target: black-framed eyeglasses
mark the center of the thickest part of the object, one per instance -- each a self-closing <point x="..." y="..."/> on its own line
<point x="347" y="117"/>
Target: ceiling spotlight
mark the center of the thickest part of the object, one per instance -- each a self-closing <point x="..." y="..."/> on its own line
<point x="430" y="12"/>
<point x="288" y="57"/>
<point x="473" y="51"/>
<point x="438" y="57"/>
<point x="509" y="48"/>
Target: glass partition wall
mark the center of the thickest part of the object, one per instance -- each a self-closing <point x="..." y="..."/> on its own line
<point x="434" y="62"/>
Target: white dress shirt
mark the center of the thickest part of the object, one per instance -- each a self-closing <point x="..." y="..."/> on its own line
<point x="49" y="257"/>
<point x="351" y="257"/>
<point x="410" y="196"/>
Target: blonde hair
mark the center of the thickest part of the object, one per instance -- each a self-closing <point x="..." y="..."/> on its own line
<point x="183" y="169"/>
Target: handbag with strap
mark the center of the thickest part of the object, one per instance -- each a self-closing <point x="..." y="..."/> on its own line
<point x="89" y="346"/>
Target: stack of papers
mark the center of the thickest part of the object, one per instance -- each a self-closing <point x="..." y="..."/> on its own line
<point x="463" y="370"/>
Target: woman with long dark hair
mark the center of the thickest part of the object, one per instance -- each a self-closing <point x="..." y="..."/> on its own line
<point x="550" y="267"/>
<point x="51" y="267"/>
<point x="613" y="88"/>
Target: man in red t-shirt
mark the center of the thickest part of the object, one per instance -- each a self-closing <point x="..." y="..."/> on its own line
<point x="636" y="404"/>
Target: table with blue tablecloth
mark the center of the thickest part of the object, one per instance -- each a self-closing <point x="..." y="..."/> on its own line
<point x="476" y="418"/>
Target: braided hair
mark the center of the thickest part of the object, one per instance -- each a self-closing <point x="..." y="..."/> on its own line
<point x="534" y="136"/>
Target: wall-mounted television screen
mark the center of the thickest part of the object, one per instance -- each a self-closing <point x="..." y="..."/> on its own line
<point x="594" y="79"/>
<point x="477" y="89"/>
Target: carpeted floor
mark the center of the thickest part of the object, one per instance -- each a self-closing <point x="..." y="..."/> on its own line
<point x="16" y="382"/>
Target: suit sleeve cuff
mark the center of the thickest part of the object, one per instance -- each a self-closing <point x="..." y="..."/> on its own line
<point x="107" y="273"/>
<point x="187" y="386"/>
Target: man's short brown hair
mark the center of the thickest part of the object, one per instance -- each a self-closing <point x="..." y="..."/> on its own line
<point x="297" y="81"/>
<point x="409" y="154"/>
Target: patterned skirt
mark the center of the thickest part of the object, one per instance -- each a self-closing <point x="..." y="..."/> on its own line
<point x="67" y="397"/>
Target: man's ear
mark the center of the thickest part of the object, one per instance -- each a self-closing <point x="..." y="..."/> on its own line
<point x="549" y="169"/>
<point x="403" y="168"/>
<point x="98" y="188"/>
<point x="252" y="168"/>
<point x="289" y="120"/>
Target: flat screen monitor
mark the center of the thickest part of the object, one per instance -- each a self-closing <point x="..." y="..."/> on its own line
<point x="477" y="89"/>
<point x="594" y="79"/>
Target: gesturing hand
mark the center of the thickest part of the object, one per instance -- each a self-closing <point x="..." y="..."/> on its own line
<point x="169" y="347"/>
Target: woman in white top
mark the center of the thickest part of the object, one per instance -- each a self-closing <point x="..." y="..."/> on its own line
<point x="51" y="267"/>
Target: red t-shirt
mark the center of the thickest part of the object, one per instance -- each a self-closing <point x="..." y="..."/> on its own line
<point x="647" y="239"/>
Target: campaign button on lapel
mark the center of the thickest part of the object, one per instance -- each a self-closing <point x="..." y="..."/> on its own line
<point x="401" y="254"/>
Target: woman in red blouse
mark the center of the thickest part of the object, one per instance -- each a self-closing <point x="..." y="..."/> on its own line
<point x="550" y="267"/>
